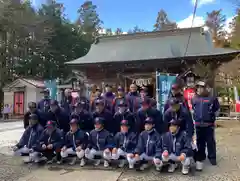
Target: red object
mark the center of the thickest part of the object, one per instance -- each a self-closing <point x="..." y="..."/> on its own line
<point x="188" y="95"/>
<point x="237" y="106"/>
<point x="19" y="103"/>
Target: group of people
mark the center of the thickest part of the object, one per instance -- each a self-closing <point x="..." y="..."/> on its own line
<point x="126" y="128"/>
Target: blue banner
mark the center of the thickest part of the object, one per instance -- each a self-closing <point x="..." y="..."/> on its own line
<point x="52" y="86"/>
<point x="164" y="87"/>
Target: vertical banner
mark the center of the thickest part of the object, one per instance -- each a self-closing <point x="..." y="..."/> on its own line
<point x="164" y="83"/>
<point x="52" y="86"/>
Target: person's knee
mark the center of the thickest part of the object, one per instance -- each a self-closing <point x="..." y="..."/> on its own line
<point x="107" y="155"/>
<point x="157" y="162"/>
<point x="64" y="154"/>
<point x="80" y="154"/>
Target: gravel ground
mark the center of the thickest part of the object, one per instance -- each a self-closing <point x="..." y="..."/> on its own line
<point x="227" y="136"/>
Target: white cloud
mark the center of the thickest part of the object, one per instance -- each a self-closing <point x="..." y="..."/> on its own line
<point x="186" y="23"/>
<point x="202" y="2"/>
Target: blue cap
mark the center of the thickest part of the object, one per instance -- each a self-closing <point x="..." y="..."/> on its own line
<point x="175" y="122"/>
<point x="149" y="120"/>
<point x="73" y="121"/>
<point x="98" y="120"/>
<point x="51" y="124"/>
<point x="124" y="122"/>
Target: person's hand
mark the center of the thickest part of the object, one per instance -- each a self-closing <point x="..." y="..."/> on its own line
<point x="50" y="146"/>
<point x="107" y="150"/>
<point x="114" y="151"/>
<point x="165" y="153"/>
<point x="79" y="148"/>
<point x="64" y="148"/>
<point x="14" y="148"/>
<point x="182" y="157"/>
<point x="44" y="146"/>
<point x="137" y="156"/>
<point x="130" y="155"/>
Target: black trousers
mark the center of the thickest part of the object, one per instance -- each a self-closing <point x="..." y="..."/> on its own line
<point x="50" y="154"/>
<point x="206" y="137"/>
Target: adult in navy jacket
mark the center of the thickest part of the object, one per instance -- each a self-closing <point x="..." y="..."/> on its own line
<point x="178" y="112"/>
<point x="205" y="108"/>
<point x="148" y="111"/>
<point x="44" y="104"/>
<point x="133" y="99"/>
<point x="58" y="115"/>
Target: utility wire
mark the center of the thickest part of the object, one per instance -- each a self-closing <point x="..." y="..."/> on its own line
<point x="190" y="34"/>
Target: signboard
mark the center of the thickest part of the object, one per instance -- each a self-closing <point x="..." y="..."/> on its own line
<point x="52" y="86"/>
<point x="164" y="84"/>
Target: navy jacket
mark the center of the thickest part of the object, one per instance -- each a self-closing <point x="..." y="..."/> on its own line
<point x="204" y="109"/>
<point x="109" y="101"/>
<point x="127" y="115"/>
<point x="134" y="101"/>
<point x="41" y="118"/>
<point x="30" y="137"/>
<point x="108" y="117"/>
<point x="56" y="139"/>
<point x="67" y="104"/>
<point x="149" y="142"/>
<point x="84" y="119"/>
<point x="117" y="101"/>
<point x="44" y="105"/>
<point x="79" y="138"/>
<point x="182" y="115"/>
<point x="155" y="114"/>
<point x="61" y="118"/>
<point x="126" y="141"/>
<point x="100" y="140"/>
<point x="177" y="144"/>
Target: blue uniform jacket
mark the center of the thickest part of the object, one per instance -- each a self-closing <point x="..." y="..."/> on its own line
<point x="127" y="115"/>
<point x="56" y="139"/>
<point x="79" y="138"/>
<point x="41" y="118"/>
<point x="182" y="115"/>
<point x="108" y="119"/>
<point x="67" y="104"/>
<point x="84" y="119"/>
<point x="177" y="144"/>
<point x="126" y="141"/>
<point x="100" y="140"/>
<point x="61" y="118"/>
<point x="134" y="101"/>
<point x="204" y="109"/>
<point x="44" y="104"/>
<point x="155" y="114"/>
<point x="30" y="136"/>
<point x="109" y="101"/>
<point x="149" y="142"/>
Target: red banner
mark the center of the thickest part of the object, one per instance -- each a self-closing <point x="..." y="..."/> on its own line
<point x="188" y="95"/>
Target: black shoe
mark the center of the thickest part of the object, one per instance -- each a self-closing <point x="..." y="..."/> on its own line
<point x="213" y="162"/>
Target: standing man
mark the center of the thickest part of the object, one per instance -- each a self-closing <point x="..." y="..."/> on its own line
<point x="97" y="96"/>
<point x="120" y="97"/>
<point x="109" y="98"/>
<point x="44" y="104"/>
<point x="205" y="108"/>
<point x="133" y="99"/>
<point x="67" y="102"/>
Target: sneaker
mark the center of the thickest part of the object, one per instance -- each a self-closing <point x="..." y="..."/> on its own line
<point x="82" y="162"/>
<point x="143" y="167"/>
<point x="38" y="160"/>
<point x="49" y="162"/>
<point x="97" y="162"/>
<point x="73" y="161"/>
<point x="121" y="164"/>
<point x="59" y="162"/>
<point x="171" y="168"/>
<point x="213" y="162"/>
<point x="105" y="164"/>
<point x="199" y="166"/>
<point x="185" y="170"/>
<point x="131" y="166"/>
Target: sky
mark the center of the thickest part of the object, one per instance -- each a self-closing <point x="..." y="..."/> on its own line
<point x="126" y="14"/>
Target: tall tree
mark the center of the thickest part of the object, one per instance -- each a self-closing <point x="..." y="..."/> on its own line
<point x="216" y="22"/>
<point x="109" y="32"/>
<point x="89" y="20"/>
<point x="235" y="39"/>
<point x="163" y="23"/>
<point x="136" y="29"/>
<point x="118" y="31"/>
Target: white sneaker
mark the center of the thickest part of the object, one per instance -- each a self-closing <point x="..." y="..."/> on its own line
<point x="185" y="170"/>
<point x="73" y="161"/>
<point x="199" y="166"/>
<point x="97" y="162"/>
<point x="121" y="164"/>
<point x="82" y="162"/>
<point x="105" y="164"/>
<point x="131" y="166"/>
<point x="143" y="166"/>
<point x="171" y="168"/>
